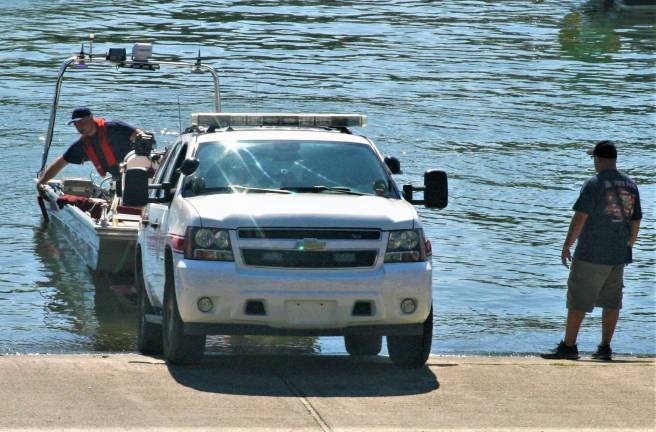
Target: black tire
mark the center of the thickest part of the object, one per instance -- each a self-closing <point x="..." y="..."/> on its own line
<point x="149" y="335"/>
<point x="179" y="348"/>
<point x="363" y="345"/>
<point x="412" y="351"/>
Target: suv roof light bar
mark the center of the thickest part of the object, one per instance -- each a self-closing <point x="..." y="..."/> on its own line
<point x="222" y="120"/>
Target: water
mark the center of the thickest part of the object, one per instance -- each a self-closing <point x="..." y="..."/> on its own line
<point x="503" y="96"/>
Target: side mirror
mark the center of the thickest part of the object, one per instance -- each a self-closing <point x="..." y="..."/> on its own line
<point x="393" y="164"/>
<point x="436" y="190"/>
<point x="135" y="187"/>
<point x="189" y="166"/>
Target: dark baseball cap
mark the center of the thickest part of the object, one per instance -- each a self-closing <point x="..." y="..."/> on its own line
<point x="604" y="149"/>
<point x="79" y="113"/>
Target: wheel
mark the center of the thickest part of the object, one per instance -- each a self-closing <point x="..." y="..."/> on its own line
<point x="412" y="351"/>
<point x="363" y="345"/>
<point x="149" y="335"/>
<point x="179" y="348"/>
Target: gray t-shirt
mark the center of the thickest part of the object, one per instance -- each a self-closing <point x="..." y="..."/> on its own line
<point x="605" y="234"/>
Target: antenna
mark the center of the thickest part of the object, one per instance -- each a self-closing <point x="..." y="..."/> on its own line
<point x="257" y="96"/>
<point x="197" y="67"/>
<point x="80" y="63"/>
<point x="92" y="36"/>
<point x="179" y="116"/>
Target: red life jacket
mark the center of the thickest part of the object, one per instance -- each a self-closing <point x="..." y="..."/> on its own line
<point x="103" y="140"/>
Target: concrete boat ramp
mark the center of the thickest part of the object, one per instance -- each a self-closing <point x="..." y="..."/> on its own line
<point x="325" y="393"/>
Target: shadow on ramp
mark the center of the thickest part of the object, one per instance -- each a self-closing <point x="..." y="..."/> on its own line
<point x="309" y="376"/>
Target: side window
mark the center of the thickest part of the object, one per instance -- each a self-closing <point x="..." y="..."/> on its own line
<point x="171" y="174"/>
<point x="164" y="169"/>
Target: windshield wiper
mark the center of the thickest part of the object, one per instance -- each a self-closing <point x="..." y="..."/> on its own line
<point x="320" y="188"/>
<point x="239" y="188"/>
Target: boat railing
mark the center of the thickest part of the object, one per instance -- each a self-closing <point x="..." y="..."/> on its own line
<point x="117" y="58"/>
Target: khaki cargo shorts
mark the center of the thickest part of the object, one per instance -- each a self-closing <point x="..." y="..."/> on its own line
<point x="591" y="285"/>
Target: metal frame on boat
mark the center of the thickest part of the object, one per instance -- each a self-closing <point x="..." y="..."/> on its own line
<point x="102" y="231"/>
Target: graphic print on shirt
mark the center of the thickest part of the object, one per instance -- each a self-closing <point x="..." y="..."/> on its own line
<point x="612" y="206"/>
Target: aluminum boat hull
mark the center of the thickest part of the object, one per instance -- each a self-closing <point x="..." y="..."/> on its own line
<point x="105" y="248"/>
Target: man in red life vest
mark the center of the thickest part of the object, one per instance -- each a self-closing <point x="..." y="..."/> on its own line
<point x="104" y="142"/>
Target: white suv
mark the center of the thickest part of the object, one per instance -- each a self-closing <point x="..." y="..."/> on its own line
<point x="291" y="229"/>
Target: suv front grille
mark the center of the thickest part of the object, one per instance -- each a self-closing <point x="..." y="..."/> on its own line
<point x="309" y="259"/>
<point x="325" y="234"/>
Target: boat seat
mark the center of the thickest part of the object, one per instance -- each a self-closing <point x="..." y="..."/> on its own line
<point x="136" y="195"/>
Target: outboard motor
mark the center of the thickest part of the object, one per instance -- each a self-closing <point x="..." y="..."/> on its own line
<point x="140" y="157"/>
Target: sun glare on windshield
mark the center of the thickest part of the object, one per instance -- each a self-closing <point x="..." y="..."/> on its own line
<point x="296" y="166"/>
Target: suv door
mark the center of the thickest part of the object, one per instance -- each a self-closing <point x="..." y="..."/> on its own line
<point x="171" y="176"/>
<point x="152" y="231"/>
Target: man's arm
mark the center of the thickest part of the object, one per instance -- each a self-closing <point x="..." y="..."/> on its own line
<point x="635" y="227"/>
<point x="52" y="171"/>
<point x="575" y="228"/>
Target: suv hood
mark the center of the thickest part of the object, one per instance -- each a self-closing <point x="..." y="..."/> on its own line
<point x="323" y="210"/>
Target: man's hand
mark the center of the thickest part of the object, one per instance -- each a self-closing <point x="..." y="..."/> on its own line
<point x="41" y="190"/>
<point x="575" y="228"/>
<point x="566" y="256"/>
<point x="137" y="135"/>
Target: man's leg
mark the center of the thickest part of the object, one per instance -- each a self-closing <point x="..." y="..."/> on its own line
<point x="567" y="348"/>
<point x="588" y="284"/>
<point x="610" y="299"/>
<point x="583" y="286"/>
<point x="574" y="320"/>
<point x="609" y="319"/>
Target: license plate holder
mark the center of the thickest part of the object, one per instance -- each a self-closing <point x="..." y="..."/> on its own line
<point x="311" y="312"/>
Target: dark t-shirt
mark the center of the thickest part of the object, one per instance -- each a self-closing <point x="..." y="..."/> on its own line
<point x="605" y="234"/>
<point x="118" y="133"/>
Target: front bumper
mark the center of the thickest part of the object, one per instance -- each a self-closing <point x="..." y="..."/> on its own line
<point x="302" y="302"/>
<point x="353" y="330"/>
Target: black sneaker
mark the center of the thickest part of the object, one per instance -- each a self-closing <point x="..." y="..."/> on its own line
<point x="603" y="353"/>
<point x="562" y="351"/>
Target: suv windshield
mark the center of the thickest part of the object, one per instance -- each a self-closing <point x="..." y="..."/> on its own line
<point x="287" y="166"/>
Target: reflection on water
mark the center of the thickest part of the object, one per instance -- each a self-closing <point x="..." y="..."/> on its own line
<point x="98" y="312"/>
<point x="596" y="30"/>
<point x="588" y="39"/>
<point x="268" y="345"/>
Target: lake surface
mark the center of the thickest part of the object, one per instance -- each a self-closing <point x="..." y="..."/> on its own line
<point x="503" y="96"/>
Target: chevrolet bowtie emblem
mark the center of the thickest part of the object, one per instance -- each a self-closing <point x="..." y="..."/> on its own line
<point x="310" y="244"/>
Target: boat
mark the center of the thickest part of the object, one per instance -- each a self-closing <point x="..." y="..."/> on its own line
<point x="97" y="224"/>
<point x="630" y="5"/>
<point x="636" y="3"/>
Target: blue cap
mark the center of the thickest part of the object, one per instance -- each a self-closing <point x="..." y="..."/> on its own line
<point x="79" y="113"/>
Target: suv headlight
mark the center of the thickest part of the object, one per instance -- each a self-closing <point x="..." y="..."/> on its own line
<point x="208" y="244"/>
<point x="405" y="246"/>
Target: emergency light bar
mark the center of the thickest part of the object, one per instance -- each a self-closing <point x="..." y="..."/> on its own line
<point x="222" y="120"/>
